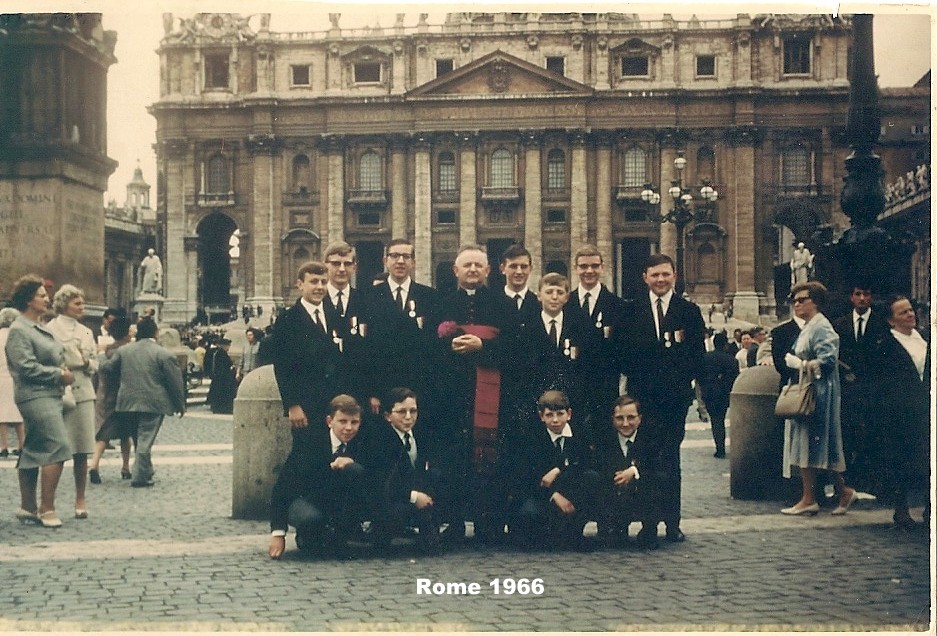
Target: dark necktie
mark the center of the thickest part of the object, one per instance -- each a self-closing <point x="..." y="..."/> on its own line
<point x="859" y="333"/>
<point x="519" y="300"/>
<point x="660" y="319"/>
<point x="340" y="451"/>
<point x="339" y="306"/>
<point x="554" y="340"/>
<point x="318" y="319"/>
<point x="585" y="303"/>
<point x="560" y="455"/>
<point x="407" y="446"/>
<point x="399" y="298"/>
<point x="628" y="444"/>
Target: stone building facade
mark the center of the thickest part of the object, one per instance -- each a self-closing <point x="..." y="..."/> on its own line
<point x="494" y="128"/>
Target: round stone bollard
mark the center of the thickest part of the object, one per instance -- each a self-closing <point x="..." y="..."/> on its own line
<point x="262" y="441"/>
<point x="757" y="437"/>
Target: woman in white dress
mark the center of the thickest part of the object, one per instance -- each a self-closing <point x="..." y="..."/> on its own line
<point x="81" y="358"/>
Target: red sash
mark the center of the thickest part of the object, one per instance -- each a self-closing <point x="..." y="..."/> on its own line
<point x="487" y="396"/>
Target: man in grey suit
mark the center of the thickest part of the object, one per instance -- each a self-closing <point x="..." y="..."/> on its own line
<point x="150" y="388"/>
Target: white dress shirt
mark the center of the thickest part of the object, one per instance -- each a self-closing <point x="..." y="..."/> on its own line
<point x="665" y="305"/>
<point x="559" y="324"/>
<point x="593" y="296"/>
<point x="916" y="347"/>
<point x="312" y="309"/>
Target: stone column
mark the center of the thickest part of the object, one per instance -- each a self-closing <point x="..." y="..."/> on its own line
<point x="668" y="233"/>
<point x="601" y="63"/>
<point x="742" y="220"/>
<point x="177" y="157"/>
<point x="578" y="197"/>
<point x="334" y="227"/>
<point x="398" y="195"/>
<point x="399" y="63"/>
<point x="533" y="206"/>
<point x="603" y="205"/>
<point x="333" y="69"/>
<point x="467" y="191"/>
<point x="263" y="247"/>
<point x="422" y="213"/>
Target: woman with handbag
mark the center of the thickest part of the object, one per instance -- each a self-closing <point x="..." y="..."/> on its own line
<point x="80" y="356"/>
<point x="35" y="360"/>
<point x="814" y="442"/>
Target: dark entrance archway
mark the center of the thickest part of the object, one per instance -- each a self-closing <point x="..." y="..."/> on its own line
<point x="214" y="265"/>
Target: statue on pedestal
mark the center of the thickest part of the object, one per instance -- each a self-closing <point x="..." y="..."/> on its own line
<point x="151" y="273"/>
<point x="801" y="265"/>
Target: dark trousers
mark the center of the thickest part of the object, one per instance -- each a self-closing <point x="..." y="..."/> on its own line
<point x="392" y="516"/>
<point x="537" y="521"/>
<point x="638" y="501"/>
<point x="340" y="504"/>
<point x="668" y="427"/>
<point x="717" y="408"/>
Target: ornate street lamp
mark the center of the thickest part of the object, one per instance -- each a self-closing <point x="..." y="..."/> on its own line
<point x="682" y="213"/>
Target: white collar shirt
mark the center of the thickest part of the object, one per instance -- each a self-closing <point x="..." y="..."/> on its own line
<point x="312" y="309"/>
<point x="333" y="294"/>
<point x="593" y="297"/>
<point x="559" y="324"/>
<point x="916" y="347"/>
<point x="566" y="432"/>
<point x="665" y="306"/>
<point x="855" y="322"/>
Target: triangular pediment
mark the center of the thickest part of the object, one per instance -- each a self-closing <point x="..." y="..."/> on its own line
<point x="499" y="73"/>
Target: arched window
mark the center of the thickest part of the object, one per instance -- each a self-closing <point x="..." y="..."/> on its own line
<point x="795" y="168"/>
<point x="370" y="172"/>
<point x="218" y="178"/>
<point x="705" y="164"/>
<point x="502" y="169"/>
<point x="556" y="170"/>
<point x="708" y="263"/>
<point x="301" y="173"/>
<point x="447" y="175"/>
<point x="635" y="171"/>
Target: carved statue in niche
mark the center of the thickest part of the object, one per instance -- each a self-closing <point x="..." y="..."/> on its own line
<point x="801" y="265"/>
<point x="333" y="19"/>
<point x="151" y="273"/>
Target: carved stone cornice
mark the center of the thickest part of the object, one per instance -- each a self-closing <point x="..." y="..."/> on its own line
<point x="332" y="144"/>
<point x="175" y="148"/>
<point x="531" y="139"/>
<point x="263" y="144"/>
<point x="672" y="137"/>
<point x="744" y="135"/>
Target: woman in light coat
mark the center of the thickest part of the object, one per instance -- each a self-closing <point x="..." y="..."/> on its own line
<point x="10" y="416"/>
<point x="35" y="360"/>
<point x="80" y="356"/>
<point x="815" y="442"/>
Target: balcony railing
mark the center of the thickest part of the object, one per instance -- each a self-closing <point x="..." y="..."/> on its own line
<point x="216" y="199"/>
<point x="367" y="197"/>
<point x="555" y="194"/>
<point x="446" y="196"/>
<point x="510" y="193"/>
<point x="623" y="192"/>
<point x="800" y="190"/>
<point x="301" y="197"/>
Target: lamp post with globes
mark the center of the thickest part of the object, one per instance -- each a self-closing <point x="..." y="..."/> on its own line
<point x="682" y="213"/>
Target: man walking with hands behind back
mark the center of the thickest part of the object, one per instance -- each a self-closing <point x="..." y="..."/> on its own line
<point x="150" y="388"/>
<point x="663" y="355"/>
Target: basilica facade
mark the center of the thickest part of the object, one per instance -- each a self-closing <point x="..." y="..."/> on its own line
<point x="496" y="128"/>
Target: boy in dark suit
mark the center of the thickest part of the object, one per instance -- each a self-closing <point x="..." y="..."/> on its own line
<point x="634" y="476"/>
<point x="321" y="489"/>
<point x="555" y="486"/>
<point x="663" y="355"/>
<point x="404" y="471"/>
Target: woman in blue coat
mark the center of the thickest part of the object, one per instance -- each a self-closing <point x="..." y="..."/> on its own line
<point x="34" y="357"/>
<point x="816" y="442"/>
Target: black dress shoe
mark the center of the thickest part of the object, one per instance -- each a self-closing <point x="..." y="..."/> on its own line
<point x="94" y="476"/>
<point x="647" y="539"/>
<point x="675" y="535"/>
<point x="719" y="454"/>
<point x="454" y="533"/>
<point x="142" y="484"/>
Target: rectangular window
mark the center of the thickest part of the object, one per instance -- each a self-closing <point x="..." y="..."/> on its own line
<point x="920" y="129"/>
<point x="216" y="70"/>
<point x="557" y="65"/>
<point x="635" y="215"/>
<point x="447" y="180"/>
<point x="635" y="66"/>
<point x="443" y="67"/>
<point x="705" y="65"/>
<point x="556" y="216"/>
<point x="445" y="217"/>
<point x="501" y="216"/>
<point x="300" y="75"/>
<point x="796" y="56"/>
<point x="367" y="72"/>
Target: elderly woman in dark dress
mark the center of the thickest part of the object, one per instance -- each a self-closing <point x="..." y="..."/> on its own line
<point x="34" y="357"/>
<point x="902" y="360"/>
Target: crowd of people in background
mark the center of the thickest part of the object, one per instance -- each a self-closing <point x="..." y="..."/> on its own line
<point x="527" y="412"/>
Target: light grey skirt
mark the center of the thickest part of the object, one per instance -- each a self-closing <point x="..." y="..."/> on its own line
<point x="46" y="438"/>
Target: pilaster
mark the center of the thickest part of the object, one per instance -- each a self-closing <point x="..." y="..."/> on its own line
<point x="422" y="213"/>
<point x="334" y="229"/>
<point x="668" y="233"/>
<point x="741" y="224"/>
<point x="467" y="190"/>
<point x="533" y="216"/>
<point x="603" y="204"/>
<point x="398" y="180"/>
<point x="264" y="245"/>
<point x="578" y="197"/>
<point x="177" y="156"/>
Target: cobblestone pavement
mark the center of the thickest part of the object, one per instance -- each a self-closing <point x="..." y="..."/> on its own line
<point x="170" y="558"/>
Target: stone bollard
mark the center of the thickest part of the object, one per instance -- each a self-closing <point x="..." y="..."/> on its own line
<point x="757" y="437"/>
<point x="262" y="441"/>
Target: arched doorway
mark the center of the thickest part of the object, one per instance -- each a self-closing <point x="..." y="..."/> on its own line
<point x="214" y="263"/>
